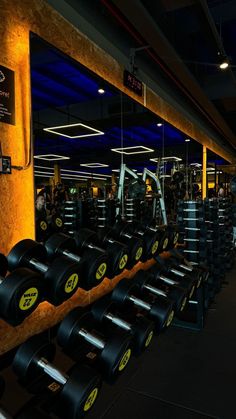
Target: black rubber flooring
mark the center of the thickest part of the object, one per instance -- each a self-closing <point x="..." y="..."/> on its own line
<point x="185" y="374"/>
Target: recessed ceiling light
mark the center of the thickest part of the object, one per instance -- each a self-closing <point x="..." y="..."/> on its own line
<point x="159" y="124"/>
<point x="101" y="91"/>
<point x="187" y="140"/>
<point x="51" y="157"/>
<point x="131" y="150"/>
<point x="94" y="165"/>
<point x="169" y="158"/>
<point x="78" y="130"/>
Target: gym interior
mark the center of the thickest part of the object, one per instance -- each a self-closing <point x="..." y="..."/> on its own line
<point x="118" y="180"/>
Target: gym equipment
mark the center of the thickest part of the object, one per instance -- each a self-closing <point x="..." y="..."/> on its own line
<point x="161" y="312"/>
<point x="3" y="265"/>
<point x="78" y="391"/>
<point x="182" y="279"/>
<point x="61" y="277"/>
<point x="194" y="272"/>
<point x="150" y="238"/>
<point x="56" y="223"/>
<point x="135" y="245"/>
<point x="41" y="229"/>
<point x="147" y="282"/>
<point x="117" y="251"/>
<point x="114" y="352"/>
<point x="20" y="295"/>
<point x="105" y="311"/>
<point x="93" y="264"/>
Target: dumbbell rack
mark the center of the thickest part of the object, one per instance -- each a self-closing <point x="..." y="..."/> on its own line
<point x="191" y="223"/>
<point x="70" y="213"/>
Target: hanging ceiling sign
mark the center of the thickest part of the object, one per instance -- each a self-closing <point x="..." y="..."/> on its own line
<point x="132" y="83"/>
<point x="7" y="95"/>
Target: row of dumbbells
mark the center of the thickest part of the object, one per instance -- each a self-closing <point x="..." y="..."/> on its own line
<point x="109" y="335"/>
<point x="54" y="271"/>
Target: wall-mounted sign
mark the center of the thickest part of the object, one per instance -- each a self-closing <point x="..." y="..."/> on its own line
<point x="133" y="83"/>
<point x="7" y="95"/>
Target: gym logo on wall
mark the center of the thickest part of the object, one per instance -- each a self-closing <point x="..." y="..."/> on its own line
<point x="7" y="95"/>
<point x="2" y="77"/>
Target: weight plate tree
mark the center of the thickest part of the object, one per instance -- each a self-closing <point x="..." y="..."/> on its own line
<point x="60" y="278"/>
<point x="114" y="351"/>
<point x="78" y="391"/>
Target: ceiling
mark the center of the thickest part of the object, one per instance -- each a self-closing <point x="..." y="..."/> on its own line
<point x="184" y="62"/>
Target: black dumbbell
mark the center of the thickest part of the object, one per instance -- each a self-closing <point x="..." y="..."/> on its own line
<point x="114" y="352"/>
<point x="185" y="281"/>
<point x="61" y="277"/>
<point x="105" y="310"/>
<point x="118" y="252"/>
<point x="126" y="292"/>
<point x="78" y="391"/>
<point x="150" y="237"/>
<point x="195" y="273"/>
<point x="146" y="281"/>
<point x="201" y="270"/>
<point x="56" y="223"/>
<point x="41" y="229"/>
<point x="93" y="264"/>
<point x="20" y="293"/>
<point x="135" y="245"/>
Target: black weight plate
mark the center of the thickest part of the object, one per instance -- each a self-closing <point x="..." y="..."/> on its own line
<point x="142" y="331"/>
<point x="94" y="266"/>
<point x="61" y="280"/>
<point x="20" y="294"/>
<point x="118" y="258"/>
<point x="68" y="330"/>
<point x="29" y="353"/>
<point x="161" y="313"/>
<point x="136" y="247"/>
<point x="123" y="289"/>
<point x="179" y="297"/>
<point x="3" y="265"/>
<point x="84" y="237"/>
<point x="59" y="242"/>
<point x="25" y="250"/>
<point x="80" y="392"/>
<point x="116" y="354"/>
<point x="57" y="222"/>
<point x="101" y="307"/>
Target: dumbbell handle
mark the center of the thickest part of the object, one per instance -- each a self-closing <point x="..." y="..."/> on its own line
<point x="167" y="280"/>
<point x="176" y="272"/>
<point x="89" y="337"/>
<point x="119" y="322"/>
<point x="39" y="265"/>
<point x="70" y="255"/>
<point x="53" y="372"/>
<point x="140" y="303"/>
<point x="187" y="268"/>
<point x="128" y="236"/>
<point x="155" y="290"/>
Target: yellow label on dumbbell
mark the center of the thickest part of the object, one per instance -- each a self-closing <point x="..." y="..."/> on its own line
<point x="149" y="338"/>
<point x="155" y="247"/>
<point x="71" y="283"/>
<point x="123" y="261"/>
<point x="59" y="222"/>
<point x="101" y="271"/>
<point x="28" y="299"/>
<point x="43" y="225"/>
<point x="176" y="236"/>
<point x="165" y="244"/>
<point x="170" y="318"/>
<point x="139" y="253"/>
<point x="183" y="304"/>
<point x="124" y="360"/>
<point x="91" y="399"/>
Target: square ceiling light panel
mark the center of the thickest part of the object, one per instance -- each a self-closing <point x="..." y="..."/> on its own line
<point x="92" y="165"/>
<point x="138" y="149"/>
<point x="51" y="157"/>
<point x="78" y="130"/>
<point x="165" y="159"/>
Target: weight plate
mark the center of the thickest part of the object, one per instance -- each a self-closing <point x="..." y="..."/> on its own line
<point x="25" y="250"/>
